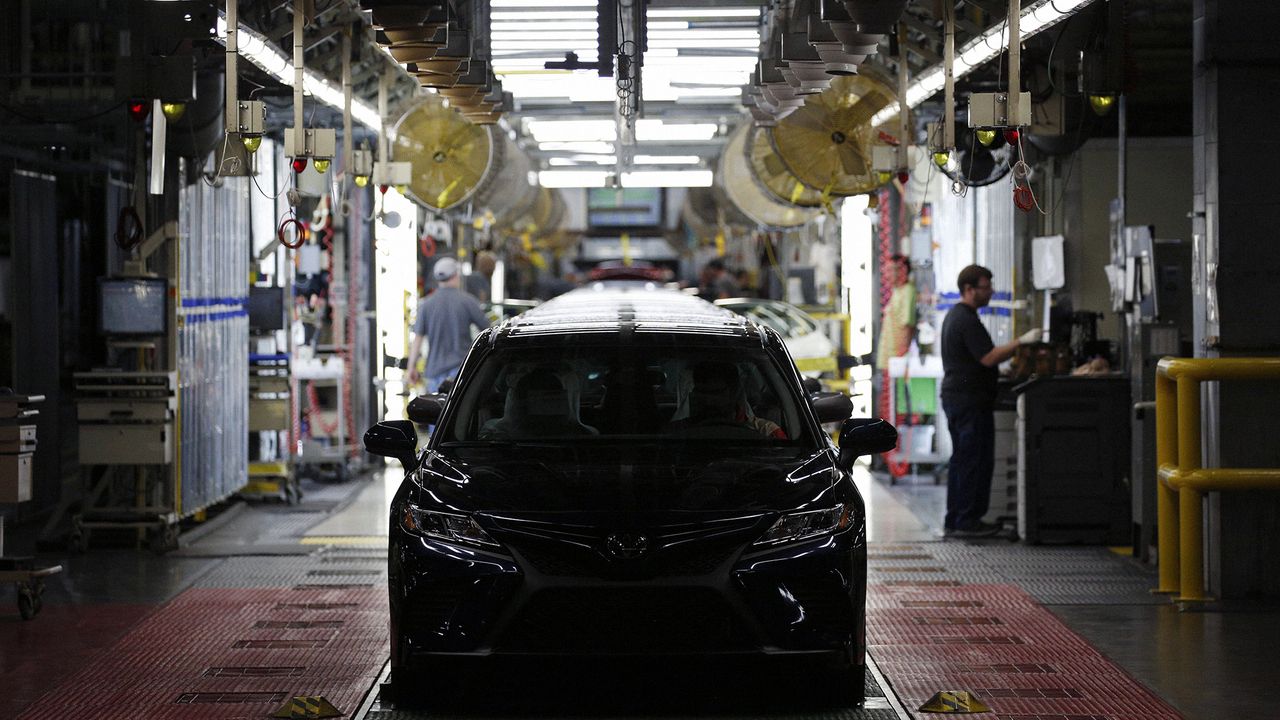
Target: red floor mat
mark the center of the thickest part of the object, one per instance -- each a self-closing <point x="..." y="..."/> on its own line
<point x="61" y="636"/>
<point x="998" y="643"/>
<point x="232" y="653"/>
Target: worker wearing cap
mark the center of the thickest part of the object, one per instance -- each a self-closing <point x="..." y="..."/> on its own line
<point x="444" y="318"/>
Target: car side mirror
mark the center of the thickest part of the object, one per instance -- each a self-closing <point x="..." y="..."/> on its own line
<point x="396" y="439"/>
<point x="865" y="436"/>
<point x="446" y="387"/>
<point x="426" y="409"/>
<point x="812" y="385"/>
<point x="831" y="406"/>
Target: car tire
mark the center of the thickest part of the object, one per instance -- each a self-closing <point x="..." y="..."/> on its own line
<point x="846" y="684"/>
<point x="427" y="684"/>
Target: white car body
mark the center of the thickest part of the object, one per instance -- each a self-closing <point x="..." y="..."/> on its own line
<point x="812" y="351"/>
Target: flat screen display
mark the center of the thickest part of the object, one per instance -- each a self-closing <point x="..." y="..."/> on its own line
<point x="624" y="208"/>
<point x="266" y="308"/>
<point x="133" y="306"/>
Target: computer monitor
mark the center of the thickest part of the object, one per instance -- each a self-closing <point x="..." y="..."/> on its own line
<point x="133" y="306"/>
<point x="266" y="308"/>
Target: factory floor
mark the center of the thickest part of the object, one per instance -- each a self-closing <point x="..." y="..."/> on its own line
<point x="269" y="601"/>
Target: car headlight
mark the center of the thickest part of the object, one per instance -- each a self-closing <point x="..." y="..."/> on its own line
<point x="461" y="529"/>
<point x="797" y="526"/>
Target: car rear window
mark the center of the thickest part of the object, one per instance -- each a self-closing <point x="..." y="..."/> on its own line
<point x="701" y="394"/>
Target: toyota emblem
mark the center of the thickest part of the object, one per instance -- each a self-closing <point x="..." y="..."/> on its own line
<point x="626" y="546"/>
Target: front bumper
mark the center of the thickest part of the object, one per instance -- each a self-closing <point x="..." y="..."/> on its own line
<point x="802" y="599"/>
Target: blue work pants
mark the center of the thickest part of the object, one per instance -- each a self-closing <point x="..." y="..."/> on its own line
<point x="971" y="422"/>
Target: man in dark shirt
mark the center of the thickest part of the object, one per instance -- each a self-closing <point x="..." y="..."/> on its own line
<point x="969" y="365"/>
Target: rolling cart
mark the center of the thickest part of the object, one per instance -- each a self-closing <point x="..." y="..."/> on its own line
<point x="17" y="447"/>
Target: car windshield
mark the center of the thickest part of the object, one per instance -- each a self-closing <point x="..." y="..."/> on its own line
<point x="627" y="393"/>
<point x="789" y="322"/>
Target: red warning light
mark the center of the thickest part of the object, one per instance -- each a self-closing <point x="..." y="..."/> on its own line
<point x="139" y="110"/>
<point x="299" y="164"/>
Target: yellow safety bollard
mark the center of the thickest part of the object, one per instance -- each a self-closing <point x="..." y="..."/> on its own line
<point x="1178" y="426"/>
<point x="1166" y="497"/>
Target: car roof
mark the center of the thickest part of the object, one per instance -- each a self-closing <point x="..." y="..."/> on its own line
<point x="632" y="307"/>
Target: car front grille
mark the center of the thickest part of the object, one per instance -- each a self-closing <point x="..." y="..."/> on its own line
<point x="579" y="562"/>
<point x="624" y="621"/>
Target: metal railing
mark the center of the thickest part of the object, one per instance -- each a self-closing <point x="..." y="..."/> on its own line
<point x="1183" y="481"/>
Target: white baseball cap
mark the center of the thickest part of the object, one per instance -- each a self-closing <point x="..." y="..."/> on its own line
<point x="445" y="268"/>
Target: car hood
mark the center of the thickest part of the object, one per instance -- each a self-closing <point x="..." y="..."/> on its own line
<point x="638" y="479"/>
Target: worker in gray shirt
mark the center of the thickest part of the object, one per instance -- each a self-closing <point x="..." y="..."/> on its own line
<point x="445" y="318"/>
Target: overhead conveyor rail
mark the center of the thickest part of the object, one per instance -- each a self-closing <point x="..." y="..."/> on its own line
<point x="1183" y="482"/>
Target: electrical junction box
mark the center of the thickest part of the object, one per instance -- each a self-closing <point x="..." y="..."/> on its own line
<point x="884" y="158"/>
<point x="392" y="173"/>
<point x="252" y="117"/>
<point x="992" y="110"/>
<point x="362" y="162"/>
<point x="315" y="142"/>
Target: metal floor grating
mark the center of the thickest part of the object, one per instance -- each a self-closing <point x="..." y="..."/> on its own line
<point x="162" y="667"/>
<point x="1031" y="663"/>
<point x="1052" y="575"/>
<point x="271" y="571"/>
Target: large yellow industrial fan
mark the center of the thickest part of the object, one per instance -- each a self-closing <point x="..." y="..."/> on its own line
<point x="773" y="174"/>
<point x="734" y="175"/>
<point x="451" y="157"/>
<point x="827" y="142"/>
<point x="544" y="216"/>
<point x="506" y="193"/>
<point x="708" y="211"/>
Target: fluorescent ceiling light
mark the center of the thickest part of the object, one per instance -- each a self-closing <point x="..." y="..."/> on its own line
<point x="656" y="130"/>
<point x="537" y="15"/>
<point x="577" y="147"/>
<point x="713" y="12"/>
<point x="572" y="130"/>
<point x="981" y="49"/>
<point x="708" y="91"/>
<point x="256" y="49"/>
<point x="690" y="42"/>
<point x="549" y="4"/>
<point x="524" y="26"/>
<point x="575" y="160"/>
<point x="667" y="178"/>
<point x="666" y="159"/>
<point x="586" y="45"/>
<point x="573" y="178"/>
<point x="710" y="34"/>
<point x="582" y="36"/>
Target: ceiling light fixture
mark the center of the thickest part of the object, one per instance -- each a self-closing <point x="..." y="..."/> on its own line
<point x="667" y="178"/>
<point x="666" y="159"/>
<point x="979" y="50"/>
<point x="658" y="131"/>
<point x="535" y="16"/>
<point x="573" y="178"/>
<point x="549" y="4"/>
<point x="257" y="50"/>
<point x="572" y="130"/>
<point x="577" y="147"/>
<point x="714" y="12"/>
